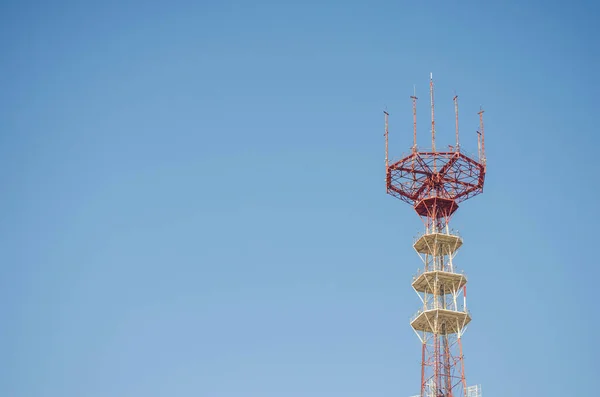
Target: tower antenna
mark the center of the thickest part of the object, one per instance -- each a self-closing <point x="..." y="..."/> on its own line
<point x="414" y="103"/>
<point x="456" y="117"/>
<point x="482" y="131"/>
<point x="479" y="146"/>
<point x="432" y="113"/>
<point x="386" y="139"/>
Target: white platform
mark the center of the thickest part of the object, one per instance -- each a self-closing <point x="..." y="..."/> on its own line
<point x="434" y="320"/>
<point x="438" y="281"/>
<point x="438" y="244"/>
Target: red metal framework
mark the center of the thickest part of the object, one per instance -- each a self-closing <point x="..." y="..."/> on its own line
<point x="434" y="182"/>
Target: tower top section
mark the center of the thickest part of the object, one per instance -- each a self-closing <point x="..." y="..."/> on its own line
<point x="433" y="181"/>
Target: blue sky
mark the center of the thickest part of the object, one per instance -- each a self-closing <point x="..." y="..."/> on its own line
<point x="194" y="199"/>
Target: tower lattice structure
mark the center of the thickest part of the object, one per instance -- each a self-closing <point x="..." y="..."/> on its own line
<point x="434" y="183"/>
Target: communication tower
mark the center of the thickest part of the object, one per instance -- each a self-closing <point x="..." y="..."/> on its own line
<point x="434" y="183"/>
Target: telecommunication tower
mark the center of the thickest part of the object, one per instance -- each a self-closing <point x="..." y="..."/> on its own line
<point x="434" y="182"/>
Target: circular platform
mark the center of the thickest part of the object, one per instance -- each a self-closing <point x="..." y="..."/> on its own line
<point x="435" y="182"/>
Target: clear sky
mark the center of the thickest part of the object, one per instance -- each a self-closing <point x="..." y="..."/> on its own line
<point x="193" y="197"/>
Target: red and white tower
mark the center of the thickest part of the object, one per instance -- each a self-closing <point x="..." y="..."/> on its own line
<point x="434" y="183"/>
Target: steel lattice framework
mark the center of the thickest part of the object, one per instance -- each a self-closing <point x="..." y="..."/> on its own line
<point x="472" y="391"/>
<point x="434" y="182"/>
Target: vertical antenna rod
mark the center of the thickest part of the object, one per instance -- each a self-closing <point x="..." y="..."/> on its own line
<point x="414" y="100"/>
<point x="386" y="140"/>
<point x="456" y="114"/>
<point x="479" y="145"/>
<point x="481" y="130"/>
<point x="432" y="113"/>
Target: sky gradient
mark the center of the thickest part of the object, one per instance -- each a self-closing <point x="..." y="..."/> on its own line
<point x="194" y="199"/>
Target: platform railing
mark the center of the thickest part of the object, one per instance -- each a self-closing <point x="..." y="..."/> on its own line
<point x="421" y="311"/>
<point x="445" y="269"/>
<point x="450" y="232"/>
<point x="446" y="149"/>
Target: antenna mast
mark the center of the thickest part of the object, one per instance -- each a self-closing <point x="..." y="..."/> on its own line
<point x="432" y="113"/>
<point x="414" y="100"/>
<point x="386" y="139"/>
<point x="482" y="132"/>
<point x="456" y="115"/>
<point x="435" y="194"/>
<point x="432" y="121"/>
